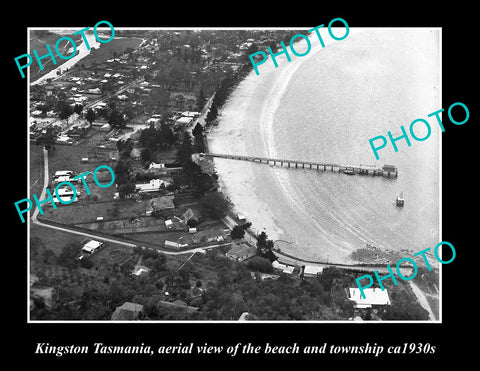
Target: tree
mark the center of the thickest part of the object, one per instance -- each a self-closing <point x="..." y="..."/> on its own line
<point x="199" y="145"/>
<point x="125" y="147"/>
<point x="122" y="172"/>
<point x="146" y="154"/>
<point x="214" y="204"/>
<point x="68" y="255"/>
<point x="201" y="100"/>
<point x="116" y="119"/>
<point x="47" y="140"/>
<point x="78" y="109"/>
<point x="198" y="131"/>
<point x="257" y="263"/>
<point x="64" y="110"/>
<point x="237" y="232"/>
<point x="212" y="113"/>
<point x="265" y="247"/>
<point x="185" y="150"/>
<point x="90" y="115"/>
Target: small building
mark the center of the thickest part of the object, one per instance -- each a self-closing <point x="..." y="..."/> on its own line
<point x="153" y="186"/>
<point x="153" y="166"/>
<point x="177" y="305"/>
<point x="312" y="270"/>
<point x="140" y="270"/>
<point x="128" y="312"/>
<point x="174" y="245"/>
<point x="288" y="269"/>
<point x="244" y="316"/>
<point x="159" y="204"/>
<point x="105" y="127"/>
<point x="375" y="296"/>
<point x="191" y="214"/>
<point x="264" y="276"/>
<point x="63" y="173"/>
<point x="92" y="246"/>
<point x="169" y="223"/>
<point x="184" y="121"/>
<point x="241" y="251"/>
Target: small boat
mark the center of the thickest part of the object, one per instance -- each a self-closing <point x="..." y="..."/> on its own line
<point x="400" y="200"/>
<point x="349" y="171"/>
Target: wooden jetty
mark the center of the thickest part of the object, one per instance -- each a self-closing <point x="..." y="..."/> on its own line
<point x="388" y="171"/>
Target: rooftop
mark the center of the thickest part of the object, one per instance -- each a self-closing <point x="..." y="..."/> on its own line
<point x="127" y="312"/>
<point x="375" y="296"/>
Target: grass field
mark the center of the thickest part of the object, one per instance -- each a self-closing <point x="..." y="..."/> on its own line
<point x="36" y="169"/>
<point x="106" y="51"/>
<point x="38" y="42"/>
<point x="54" y="240"/>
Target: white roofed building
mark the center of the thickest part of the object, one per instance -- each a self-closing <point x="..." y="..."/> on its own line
<point x="92" y="246"/>
<point x="375" y="296"/>
<point x="312" y="270"/>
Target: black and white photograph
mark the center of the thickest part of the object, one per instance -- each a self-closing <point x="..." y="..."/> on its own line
<point x="192" y="180"/>
<point x="241" y="190"/>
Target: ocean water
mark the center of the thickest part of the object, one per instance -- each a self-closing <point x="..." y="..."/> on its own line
<point x="372" y="82"/>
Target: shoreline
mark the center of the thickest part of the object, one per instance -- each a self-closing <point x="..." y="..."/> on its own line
<point x="246" y="128"/>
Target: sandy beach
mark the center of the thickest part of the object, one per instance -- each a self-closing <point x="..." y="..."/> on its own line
<point x="294" y="112"/>
<point x="245" y="128"/>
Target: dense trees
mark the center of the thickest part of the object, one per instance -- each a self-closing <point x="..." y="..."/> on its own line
<point x="155" y="138"/>
<point x="222" y="289"/>
<point x="214" y="204"/>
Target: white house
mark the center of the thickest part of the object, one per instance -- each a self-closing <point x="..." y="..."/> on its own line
<point x="312" y="270"/>
<point x="288" y="269"/>
<point x="153" y="186"/>
<point x="241" y="251"/>
<point x="153" y="165"/>
<point x="375" y="296"/>
<point x="92" y="246"/>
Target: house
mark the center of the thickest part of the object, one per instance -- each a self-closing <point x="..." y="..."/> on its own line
<point x="140" y="270"/>
<point x="153" y="186"/>
<point x="155" y="205"/>
<point x="264" y="276"/>
<point x="153" y="165"/>
<point x="375" y="296"/>
<point x="190" y="214"/>
<point x="92" y="246"/>
<point x="128" y="312"/>
<point x="241" y="251"/>
<point x="312" y="270"/>
<point x="177" y="305"/>
<point x="244" y="316"/>
<point x="184" y="121"/>
<point x="288" y="269"/>
<point x="175" y="245"/>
